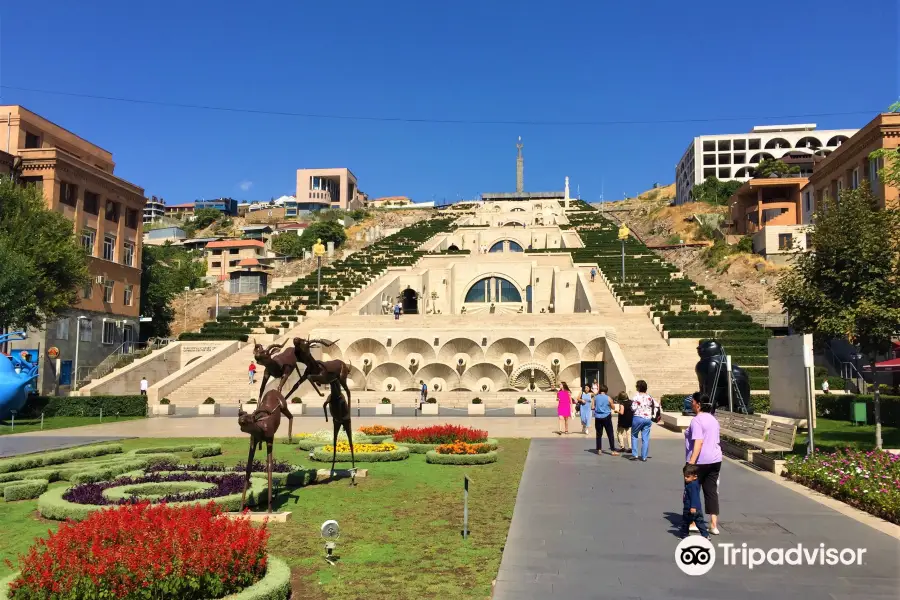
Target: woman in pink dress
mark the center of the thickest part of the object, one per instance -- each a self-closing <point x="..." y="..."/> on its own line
<point x="563" y="408"/>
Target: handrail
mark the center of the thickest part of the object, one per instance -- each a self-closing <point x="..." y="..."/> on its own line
<point x="112" y="362"/>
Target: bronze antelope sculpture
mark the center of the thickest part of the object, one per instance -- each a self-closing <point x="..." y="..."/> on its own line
<point x="317" y="371"/>
<point x="280" y="365"/>
<point x="262" y="424"/>
<point x="340" y="416"/>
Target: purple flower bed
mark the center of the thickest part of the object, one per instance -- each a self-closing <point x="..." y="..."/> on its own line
<point x="92" y="493"/>
<point x="279" y="466"/>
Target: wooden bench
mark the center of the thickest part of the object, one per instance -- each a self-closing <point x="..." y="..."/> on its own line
<point x="780" y="439"/>
<point x="743" y="428"/>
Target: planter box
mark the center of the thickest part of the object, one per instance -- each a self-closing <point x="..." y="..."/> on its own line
<point x="296" y="408"/>
<point x="208" y="409"/>
<point x="523" y="409"/>
<point x="249" y="407"/>
<point x="430" y="409"/>
<point x="476" y="409"/>
<point x="163" y="409"/>
<point x="732" y="449"/>
<point x="768" y="462"/>
<point x="385" y="409"/>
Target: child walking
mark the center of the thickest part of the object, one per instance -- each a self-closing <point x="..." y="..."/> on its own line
<point x="624" y="422"/>
<point x="693" y="511"/>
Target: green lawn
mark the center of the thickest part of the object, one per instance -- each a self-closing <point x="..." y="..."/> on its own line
<point x="29" y="425"/>
<point x="830" y="434"/>
<point x="400" y="527"/>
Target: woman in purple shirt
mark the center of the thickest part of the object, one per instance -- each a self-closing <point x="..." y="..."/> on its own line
<point x="702" y="448"/>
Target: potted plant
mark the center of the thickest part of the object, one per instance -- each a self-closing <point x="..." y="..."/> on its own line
<point x="476" y="406"/>
<point x="430" y="407"/>
<point x="249" y="406"/>
<point x="209" y="407"/>
<point x="523" y="406"/>
<point x="165" y="407"/>
<point x="384" y="407"/>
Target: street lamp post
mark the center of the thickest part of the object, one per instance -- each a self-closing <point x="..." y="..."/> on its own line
<point x="623" y="235"/>
<point x="319" y="251"/>
<point x="77" y="344"/>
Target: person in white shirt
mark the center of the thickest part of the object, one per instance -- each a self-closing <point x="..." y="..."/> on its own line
<point x="646" y="409"/>
<point x="144" y="386"/>
<point x="826" y="389"/>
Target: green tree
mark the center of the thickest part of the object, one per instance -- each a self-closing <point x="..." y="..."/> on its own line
<point x="849" y="285"/>
<point x="205" y="217"/>
<point x="713" y="191"/>
<point x="43" y="266"/>
<point x="770" y="166"/>
<point x="166" y="271"/>
<point x="288" y="244"/>
<point x="328" y="231"/>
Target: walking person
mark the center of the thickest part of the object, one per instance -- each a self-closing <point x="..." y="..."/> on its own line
<point x="584" y="410"/>
<point x="646" y="410"/>
<point x="424" y="391"/>
<point x="593" y="273"/>
<point x="623" y="425"/>
<point x="251" y="372"/>
<point x="703" y="448"/>
<point x="602" y="406"/>
<point x="692" y="515"/>
<point x="145" y="385"/>
<point x="397" y="309"/>
<point x="563" y="408"/>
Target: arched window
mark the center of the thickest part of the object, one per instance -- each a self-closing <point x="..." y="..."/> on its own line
<point x="498" y="247"/>
<point x="493" y="289"/>
<point x="513" y="246"/>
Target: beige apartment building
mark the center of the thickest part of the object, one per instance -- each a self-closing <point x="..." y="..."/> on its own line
<point x="77" y="180"/>
<point x="242" y="263"/>
<point x="849" y="164"/>
<point x="319" y="189"/>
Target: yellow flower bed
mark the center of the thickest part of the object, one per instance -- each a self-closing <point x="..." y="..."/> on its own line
<point x="345" y="447"/>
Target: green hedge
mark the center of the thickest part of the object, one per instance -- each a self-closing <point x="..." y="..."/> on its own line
<point x="159" y="449"/>
<point x="839" y="406"/>
<point x="276" y="585"/>
<point x="434" y="458"/>
<point x="52" y="506"/>
<point x="205" y="450"/>
<point x="24" y="490"/>
<point x="87" y="406"/>
<point x="48" y="474"/>
<point x="107" y="472"/>
<point x="152" y="491"/>
<point x="298" y="478"/>
<point x="425" y="448"/>
<point x="675" y="402"/>
<point x="22" y="463"/>
<point x="401" y="453"/>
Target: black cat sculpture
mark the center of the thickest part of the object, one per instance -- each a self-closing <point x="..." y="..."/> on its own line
<point x="712" y="358"/>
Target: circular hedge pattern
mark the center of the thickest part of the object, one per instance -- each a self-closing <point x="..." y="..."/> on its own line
<point x="434" y="458"/>
<point x="155" y="491"/>
<point x="324" y="436"/>
<point x="425" y="448"/>
<point x="401" y="453"/>
<point x="220" y="485"/>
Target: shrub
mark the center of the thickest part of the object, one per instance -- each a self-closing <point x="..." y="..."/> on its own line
<point x="165" y="401"/>
<point x="209" y="400"/>
<point x="57" y="458"/>
<point x="77" y="406"/>
<point x="439" y="434"/>
<point x="431" y="400"/>
<point x="296" y="401"/>
<point x="385" y="400"/>
<point x="476" y="400"/>
<point x="251" y="401"/>
<point x="463" y="448"/>
<point x="24" y="490"/>
<point x="675" y="402"/>
<point x="435" y="458"/>
<point x="377" y="430"/>
<point x="838" y="406"/>
<point x="204" y="450"/>
<point x="399" y="453"/>
<point x="864" y="479"/>
<point x="522" y="400"/>
<point x="345" y="447"/>
<point x="273" y="330"/>
<point x="188" y="553"/>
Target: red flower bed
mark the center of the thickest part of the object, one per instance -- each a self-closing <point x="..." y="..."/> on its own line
<point x="439" y="434"/>
<point x="138" y="552"/>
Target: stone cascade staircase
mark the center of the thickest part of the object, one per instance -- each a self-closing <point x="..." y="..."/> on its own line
<point x="666" y="369"/>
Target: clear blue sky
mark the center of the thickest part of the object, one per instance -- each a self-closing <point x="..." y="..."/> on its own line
<point x="469" y="60"/>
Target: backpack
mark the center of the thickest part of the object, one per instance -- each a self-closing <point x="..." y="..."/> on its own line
<point x="655" y="411"/>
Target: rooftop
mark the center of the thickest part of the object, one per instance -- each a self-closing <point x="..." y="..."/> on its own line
<point x="522" y="195"/>
<point x="236" y="244"/>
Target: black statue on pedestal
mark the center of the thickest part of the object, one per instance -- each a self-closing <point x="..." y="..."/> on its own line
<point x="713" y="378"/>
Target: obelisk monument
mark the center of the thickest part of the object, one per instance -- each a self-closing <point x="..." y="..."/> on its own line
<point x="520" y="168"/>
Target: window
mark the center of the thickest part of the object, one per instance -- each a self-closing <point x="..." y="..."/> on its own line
<point x="62" y="329"/>
<point x="233" y="251"/>
<point x="87" y="330"/>
<point x="493" y="289"/>
<point x="754" y="144"/>
<point x="128" y="251"/>
<point x="32" y="140"/>
<point x="131" y="218"/>
<point x="87" y="291"/>
<point x="709" y="173"/>
<point x="724" y="159"/>
<point x="854" y="179"/>
<point x="724" y="173"/>
<point x="740" y="158"/>
<point x="87" y="240"/>
<point x="128" y="296"/>
<point x="109" y="333"/>
<point x="724" y="145"/>
<point x="108" y="289"/>
<point x="109" y="247"/>
<point x="217" y="264"/>
<point x="91" y="203"/>
<point x="112" y="211"/>
<point x="740" y="144"/>
<point x="709" y="145"/>
<point x="217" y="253"/>
<point x="807" y="201"/>
<point x="68" y="193"/>
<point x="785" y="241"/>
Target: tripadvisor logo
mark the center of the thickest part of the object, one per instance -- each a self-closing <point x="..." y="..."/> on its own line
<point x="697" y="555"/>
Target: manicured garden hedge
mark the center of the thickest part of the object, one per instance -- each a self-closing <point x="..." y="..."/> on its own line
<point x="675" y="402"/>
<point x="401" y="453"/>
<point x="839" y="406"/>
<point x="460" y="459"/>
<point x="276" y="585"/>
<point x="24" y="490"/>
<point x="85" y="406"/>
<point x="21" y="463"/>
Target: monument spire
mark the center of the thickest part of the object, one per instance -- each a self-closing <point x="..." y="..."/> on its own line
<point x="520" y="168"/>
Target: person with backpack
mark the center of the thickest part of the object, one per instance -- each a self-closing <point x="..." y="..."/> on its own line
<point x="624" y="422"/>
<point x="646" y="412"/>
<point x="602" y="406"/>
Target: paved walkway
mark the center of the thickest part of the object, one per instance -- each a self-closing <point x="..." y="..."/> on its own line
<point x="27" y="443"/>
<point x="588" y="526"/>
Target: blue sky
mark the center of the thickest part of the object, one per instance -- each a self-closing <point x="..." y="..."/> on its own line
<point x="466" y="61"/>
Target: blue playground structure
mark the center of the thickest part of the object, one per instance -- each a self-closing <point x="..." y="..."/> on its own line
<point x="17" y="376"/>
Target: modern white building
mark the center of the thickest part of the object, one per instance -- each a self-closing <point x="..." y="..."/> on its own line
<point x="154" y="210"/>
<point x="732" y="156"/>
